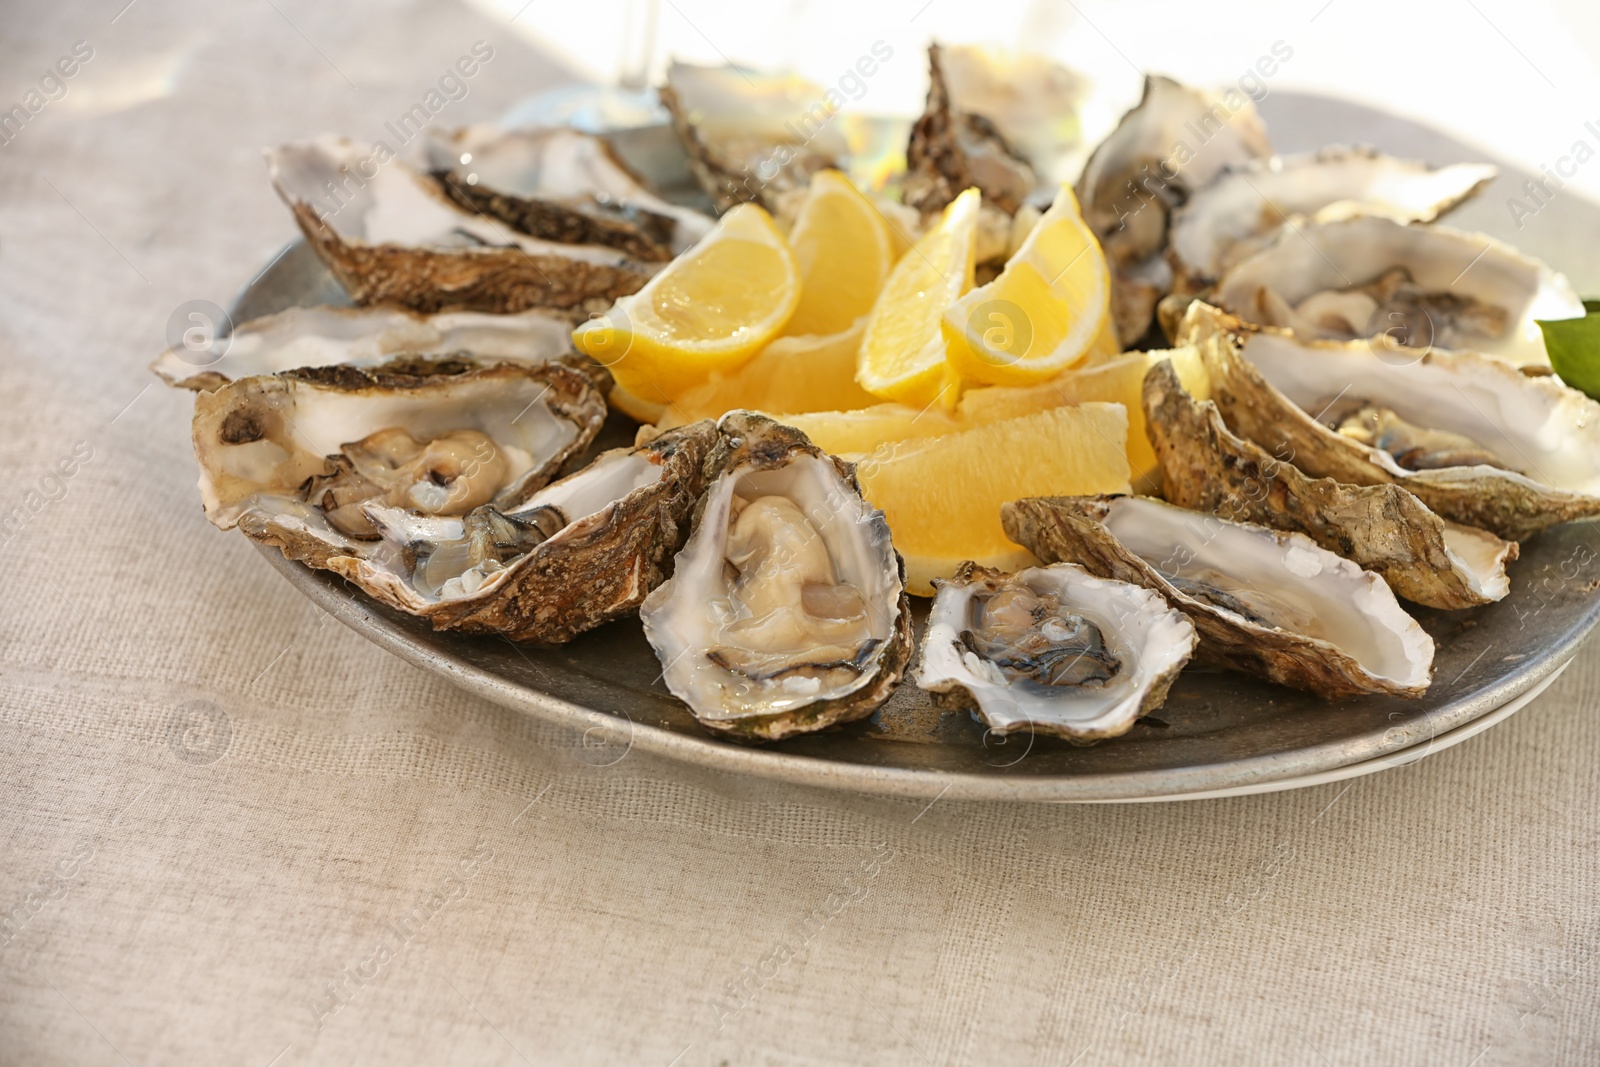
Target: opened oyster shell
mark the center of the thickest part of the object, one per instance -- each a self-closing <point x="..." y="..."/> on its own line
<point x="297" y="459"/>
<point x="1270" y="603"/>
<point x="1031" y="100"/>
<point x="1176" y="140"/>
<point x="1240" y="212"/>
<point x="786" y="611"/>
<point x="1053" y="650"/>
<point x="1477" y="440"/>
<point x="952" y="150"/>
<point x="393" y="237"/>
<point x="561" y="185"/>
<point x="364" y="337"/>
<point x="1383" y="528"/>
<point x="1419" y="286"/>
<point x="578" y="553"/>
<point x="751" y="136"/>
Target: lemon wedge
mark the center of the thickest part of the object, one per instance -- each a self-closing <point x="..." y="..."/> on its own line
<point x="942" y="495"/>
<point x="1119" y="381"/>
<point x="711" y="309"/>
<point x="1047" y="310"/>
<point x="903" y="352"/>
<point x="813" y="372"/>
<point x="844" y="250"/>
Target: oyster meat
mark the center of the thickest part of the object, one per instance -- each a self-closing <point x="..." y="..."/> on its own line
<point x="578" y="553"/>
<point x="1242" y="210"/>
<point x="298" y="459"/>
<point x="393" y="237"/>
<point x="1270" y="603"/>
<point x="751" y="136"/>
<point x="786" y="611"/>
<point x="1383" y="528"/>
<point x="1418" y="286"/>
<point x="1174" y="142"/>
<point x="1053" y="650"/>
<point x="560" y="185"/>
<point x="365" y="337"/>
<point x="1477" y="440"/>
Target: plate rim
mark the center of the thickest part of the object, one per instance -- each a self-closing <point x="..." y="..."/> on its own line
<point x="361" y="615"/>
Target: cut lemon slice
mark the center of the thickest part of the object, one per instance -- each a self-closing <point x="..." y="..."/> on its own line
<point x="843" y="247"/>
<point x="903" y="352"/>
<point x="1119" y="381"/>
<point x="709" y="310"/>
<point x="942" y="495"/>
<point x="792" y="374"/>
<point x="1046" y="311"/>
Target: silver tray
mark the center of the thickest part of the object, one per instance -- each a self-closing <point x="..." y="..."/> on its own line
<point x="1218" y="734"/>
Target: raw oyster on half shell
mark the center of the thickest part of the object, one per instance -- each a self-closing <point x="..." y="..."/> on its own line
<point x="786" y="611"/>
<point x="1145" y="169"/>
<point x="560" y="185"/>
<point x="1270" y="603"/>
<point x="1053" y="650"/>
<point x="1419" y="286"/>
<point x="751" y="136"/>
<point x="1242" y="210"/>
<point x="1383" y="528"/>
<point x="578" y="553"/>
<point x="299" y="459"/>
<point x="393" y="237"/>
<point x="1477" y="440"/>
<point x="952" y="150"/>
<point x="366" y="337"/>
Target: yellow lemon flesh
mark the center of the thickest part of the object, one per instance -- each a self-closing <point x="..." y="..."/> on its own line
<point x="942" y="495"/>
<point x="792" y="374"/>
<point x="903" y="352"/>
<point x="844" y="251"/>
<point x="1119" y="381"/>
<point x="1048" y="309"/>
<point x="709" y="310"/>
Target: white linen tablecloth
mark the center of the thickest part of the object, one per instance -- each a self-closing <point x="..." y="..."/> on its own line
<point x="370" y="867"/>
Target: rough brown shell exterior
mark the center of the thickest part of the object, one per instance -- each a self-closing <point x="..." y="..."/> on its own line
<point x="1383" y="528"/>
<point x="1071" y="529"/>
<point x="938" y="168"/>
<point x="500" y="280"/>
<point x="598" y="569"/>
<point x="1509" y="507"/>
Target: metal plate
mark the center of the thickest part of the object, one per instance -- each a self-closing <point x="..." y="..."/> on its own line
<point x="1217" y="734"/>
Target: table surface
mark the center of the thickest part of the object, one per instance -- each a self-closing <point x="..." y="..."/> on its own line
<point x="235" y="832"/>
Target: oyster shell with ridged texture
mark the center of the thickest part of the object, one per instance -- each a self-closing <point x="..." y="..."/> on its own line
<point x="560" y="185"/>
<point x="1478" y="441"/>
<point x="951" y="150"/>
<point x="751" y="136"/>
<point x="1241" y="211"/>
<point x="393" y="238"/>
<point x="1052" y="650"/>
<point x="786" y="611"/>
<point x="1144" y="170"/>
<point x="1270" y="603"/>
<point x="1383" y="528"/>
<point x="1419" y="286"/>
<point x="578" y="553"/>
<point x="365" y="337"/>
<point x="296" y="459"/>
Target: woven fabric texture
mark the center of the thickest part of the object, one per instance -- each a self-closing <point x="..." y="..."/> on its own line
<point x="358" y="864"/>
